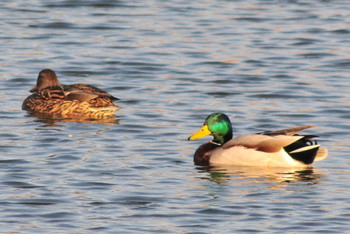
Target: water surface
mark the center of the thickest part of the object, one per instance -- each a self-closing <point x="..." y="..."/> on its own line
<point x="267" y="64"/>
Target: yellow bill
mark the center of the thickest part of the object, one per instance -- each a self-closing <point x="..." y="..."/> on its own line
<point x="204" y="131"/>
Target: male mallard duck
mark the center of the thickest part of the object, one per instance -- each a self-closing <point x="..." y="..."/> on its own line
<point x="282" y="148"/>
<point x="50" y="97"/>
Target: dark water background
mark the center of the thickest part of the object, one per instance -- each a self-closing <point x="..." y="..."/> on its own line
<point x="267" y="64"/>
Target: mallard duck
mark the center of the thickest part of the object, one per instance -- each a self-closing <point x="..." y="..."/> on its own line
<point x="50" y="97"/>
<point x="282" y="148"/>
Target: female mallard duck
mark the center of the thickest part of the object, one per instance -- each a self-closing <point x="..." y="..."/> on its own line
<point x="282" y="148"/>
<point x="50" y="97"/>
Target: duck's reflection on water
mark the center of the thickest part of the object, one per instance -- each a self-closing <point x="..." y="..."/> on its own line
<point x="223" y="174"/>
<point x="52" y="120"/>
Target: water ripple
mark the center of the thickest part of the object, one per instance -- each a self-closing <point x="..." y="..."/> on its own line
<point x="267" y="65"/>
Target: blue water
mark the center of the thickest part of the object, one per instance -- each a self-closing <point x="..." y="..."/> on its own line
<point x="266" y="64"/>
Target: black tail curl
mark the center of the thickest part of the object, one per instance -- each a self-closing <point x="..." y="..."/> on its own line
<point x="307" y="156"/>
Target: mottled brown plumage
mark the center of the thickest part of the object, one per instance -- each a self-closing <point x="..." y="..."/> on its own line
<point x="50" y="97"/>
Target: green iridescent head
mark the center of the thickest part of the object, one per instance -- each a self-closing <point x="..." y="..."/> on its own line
<point x="218" y="125"/>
